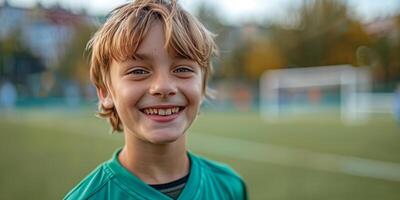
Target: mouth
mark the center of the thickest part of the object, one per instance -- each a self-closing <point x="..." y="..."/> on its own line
<point x="162" y="110"/>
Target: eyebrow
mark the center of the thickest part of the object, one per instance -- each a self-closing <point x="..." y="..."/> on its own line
<point x="143" y="56"/>
<point x="140" y="56"/>
<point x="178" y="56"/>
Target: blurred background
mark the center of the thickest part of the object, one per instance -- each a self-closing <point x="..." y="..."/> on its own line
<point x="307" y="103"/>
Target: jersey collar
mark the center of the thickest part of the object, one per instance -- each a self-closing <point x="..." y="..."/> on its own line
<point x="133" y="185"/>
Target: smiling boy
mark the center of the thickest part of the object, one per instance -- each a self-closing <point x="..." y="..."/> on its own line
<point x="150" y="63"/>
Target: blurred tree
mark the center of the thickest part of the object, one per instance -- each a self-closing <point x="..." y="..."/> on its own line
<point x="382" y="55"/>
<point x="262" y="55"/>
<point x="395" y="66"/>
<point x="233" y="63"/>
<point x="343" y="48"/>
<point x="325" y="35"/>
<point x="320" y="32"/>
<point x="17" y="61"/>
<point x="74" y="65"/>
<point x="207" y="14"/>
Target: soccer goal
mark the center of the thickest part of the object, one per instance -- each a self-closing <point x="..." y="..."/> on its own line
<point x="286" y="92"/>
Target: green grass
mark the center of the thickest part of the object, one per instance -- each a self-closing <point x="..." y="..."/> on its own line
<point x="45" y="153"/>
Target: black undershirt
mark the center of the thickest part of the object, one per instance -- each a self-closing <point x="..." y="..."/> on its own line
<point x="172" y="189"/>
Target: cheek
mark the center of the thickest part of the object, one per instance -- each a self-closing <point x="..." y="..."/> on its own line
<point x="194" y="91"/>
<point x="196" y="94"/>
<point x="128" y="95"/>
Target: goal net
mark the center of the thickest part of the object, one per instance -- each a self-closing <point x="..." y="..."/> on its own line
<point x="286" y="92"/>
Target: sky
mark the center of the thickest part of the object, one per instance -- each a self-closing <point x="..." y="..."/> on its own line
<point x="235" y="10"/>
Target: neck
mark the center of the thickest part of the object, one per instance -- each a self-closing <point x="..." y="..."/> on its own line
<point x="155" y="163"/>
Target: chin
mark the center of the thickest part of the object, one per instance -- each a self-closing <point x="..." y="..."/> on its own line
<point x="164" y="137"/>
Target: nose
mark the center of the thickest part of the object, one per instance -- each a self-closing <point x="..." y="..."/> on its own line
<point x="163" y="86"/>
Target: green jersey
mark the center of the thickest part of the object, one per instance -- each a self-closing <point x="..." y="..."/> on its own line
<point x="207" y="180"/>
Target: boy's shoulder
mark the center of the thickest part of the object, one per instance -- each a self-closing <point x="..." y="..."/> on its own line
<point x="110" y="181"/>
<point x="216" y="168"/>
<point x="221" y="176"/>
<point x="91" y="184"/>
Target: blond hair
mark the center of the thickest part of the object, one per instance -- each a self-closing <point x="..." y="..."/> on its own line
<point x="126" y="27"/>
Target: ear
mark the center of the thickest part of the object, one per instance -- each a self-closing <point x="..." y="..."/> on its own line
<point x="105" y="98"/>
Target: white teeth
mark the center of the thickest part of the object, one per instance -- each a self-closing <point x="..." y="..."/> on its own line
<point x="163" y="112"/>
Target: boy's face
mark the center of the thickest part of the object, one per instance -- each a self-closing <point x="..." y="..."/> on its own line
<point x="156" y="95"/>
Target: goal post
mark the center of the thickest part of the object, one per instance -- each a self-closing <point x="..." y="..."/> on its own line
<point x="350" y="80"/>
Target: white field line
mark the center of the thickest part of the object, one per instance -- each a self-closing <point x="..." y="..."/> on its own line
<point x="267" y="153"/>
<point x="288" y="156"/>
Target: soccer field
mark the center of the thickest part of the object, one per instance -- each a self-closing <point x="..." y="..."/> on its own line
<point x="45" y="153"/>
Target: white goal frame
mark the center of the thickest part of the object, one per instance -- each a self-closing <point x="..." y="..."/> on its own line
<point x="352" y="81"/>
